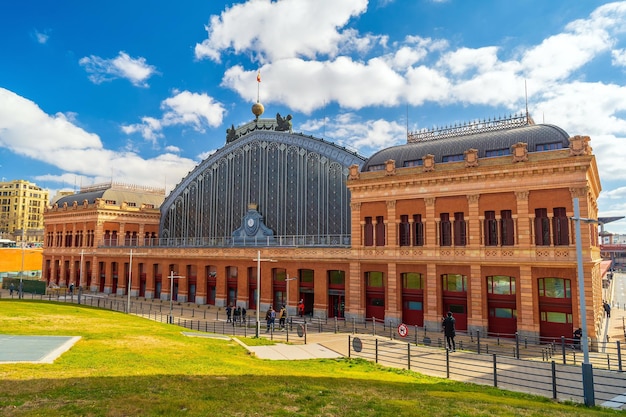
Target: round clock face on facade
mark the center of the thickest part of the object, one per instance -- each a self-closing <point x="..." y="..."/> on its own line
<point x="251" y="226"/>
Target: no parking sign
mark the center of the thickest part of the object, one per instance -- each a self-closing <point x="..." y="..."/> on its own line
<point x="403" y="330"/>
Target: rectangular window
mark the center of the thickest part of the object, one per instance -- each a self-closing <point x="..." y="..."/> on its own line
<point x="560" y="226"/>
<point x="542" y="227"/>
<point x="556" y="317"/>
<point x="336" y="278"/>
<point x="413" y="305"/>
<point x="555" y="288"/>
<point x="374" y="279"/>
<point x="497" y="152"/>
<point x="549" y="146"/>
<point x="404" y="231"/>
<point x="306" y="276"/>
<point x="379" y="167"/>
<point x="412" y="281"/>
<point x="418" y="230"/>
<point x="454" y="282"/>
<point x="445" y="230"/>
<point x="414" y="163"/>
<point x="501" y="285"/>
<point x="380" y="231"/>
<point x="503" y="313"/>
<point x="491" y="229"/>
<point x="459" y="229"/>
<point x="368" y="232"/>
<point x="507" y="234"/>
<point x="452" y="158"/>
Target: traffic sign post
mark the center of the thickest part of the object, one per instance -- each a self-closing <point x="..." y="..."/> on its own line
<point x="403" y="330"/>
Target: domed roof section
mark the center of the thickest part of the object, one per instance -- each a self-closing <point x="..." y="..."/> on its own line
<point x="116" y="194"/>
<point x="488" y="143"/>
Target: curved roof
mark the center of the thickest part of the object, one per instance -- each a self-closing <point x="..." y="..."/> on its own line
<point x="111" y="194"/>
<point x="330" y="150"/>
<point x="297" y="182"/>
<point x="533" y="135"/>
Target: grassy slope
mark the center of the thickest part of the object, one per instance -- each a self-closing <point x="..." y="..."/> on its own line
<point x="127" y="366"/>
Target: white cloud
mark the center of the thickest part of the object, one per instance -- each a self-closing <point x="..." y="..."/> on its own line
<point x="205" y="155"/>
<point x="619" y="57"/>
<point x="136" y="70"/>
<point x="172" y="149"/>
<point x="53" y="139"/>
<point x="41" y="37"/>
<point x="364" y="136"/>
<point x="281" y="29"/>
<point x="184" y="108"/>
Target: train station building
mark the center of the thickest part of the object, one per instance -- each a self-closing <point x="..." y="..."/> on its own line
<point x="475" y="219"/>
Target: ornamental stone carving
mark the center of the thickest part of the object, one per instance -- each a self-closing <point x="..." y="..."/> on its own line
<point x="580" y="192"/>
<point x="522" y="195"/>
<point x="429" y="163"/>
<point x="471" y="158"/>
<point x="520" y="152"/>
<point x="579" y="145"/>
<point x="390" y="167"/>
<point x="354" y="173"/>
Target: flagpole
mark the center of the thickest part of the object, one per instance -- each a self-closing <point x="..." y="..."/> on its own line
<point x="258" y="84"/>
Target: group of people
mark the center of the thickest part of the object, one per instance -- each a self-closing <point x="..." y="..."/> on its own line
<point x="236" y="314"/>
<point x="270" y="318"/>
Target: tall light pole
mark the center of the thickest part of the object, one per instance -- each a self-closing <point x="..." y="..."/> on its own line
<point x="287" y="279"/>
<point x="21" y="292"/>
<point x="82" y="273"/>
<point x="172" y="276"/>
<point x="587" y="369"/>
<point x="258" y="289"/>
<point x="130" y="277"/>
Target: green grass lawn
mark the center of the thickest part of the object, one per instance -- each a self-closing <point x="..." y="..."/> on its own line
<point x="129" y="366"/>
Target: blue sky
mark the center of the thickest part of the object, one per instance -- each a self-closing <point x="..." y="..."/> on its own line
<point x="141" y="91"/>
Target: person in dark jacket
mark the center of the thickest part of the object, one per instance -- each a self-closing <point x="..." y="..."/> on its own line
<point x="449" y="331"/>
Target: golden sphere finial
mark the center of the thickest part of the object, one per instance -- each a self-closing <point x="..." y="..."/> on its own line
<point x="257" y="109"/>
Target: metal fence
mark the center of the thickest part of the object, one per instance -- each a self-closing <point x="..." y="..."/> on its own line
<point x="546" y="378"/>
<point x="547" y="368"/>
<point x="564" y="351"/>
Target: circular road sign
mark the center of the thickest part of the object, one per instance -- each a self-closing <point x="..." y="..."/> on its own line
<point x="403" y="330"/>
<point x="357" y="345"/>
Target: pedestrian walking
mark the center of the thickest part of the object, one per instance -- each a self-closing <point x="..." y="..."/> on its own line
<point x="243" y="315"/>
<point x="270" y="318"/>
<point x="236" y="315"/>
<point x="578" y="334"/>
<point x="301" y="308"/>
<point x="607" y="309"/>
<point x="229" y="311"/>
<point x="282" y="316"/>
<point x="11" y="289"/>
<point x="449" y="331"/>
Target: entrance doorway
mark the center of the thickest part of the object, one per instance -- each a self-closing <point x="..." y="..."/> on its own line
<point x="337" y="305"/>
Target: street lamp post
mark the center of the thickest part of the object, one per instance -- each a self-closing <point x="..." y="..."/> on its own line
<point x="258" y="289"/>
<point x="130" y="277"/>
<point x="21" y="292"/>
<point x="587" y="369"/>
<point x="287" y="279"/>
<point x="172" y="276"/>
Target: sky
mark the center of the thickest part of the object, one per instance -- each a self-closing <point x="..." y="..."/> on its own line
<point x="140" y="92"/>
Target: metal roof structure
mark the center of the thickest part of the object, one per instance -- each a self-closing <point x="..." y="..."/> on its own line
<point x="451" y="142"/>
